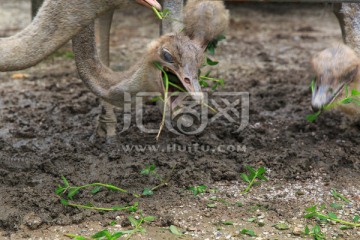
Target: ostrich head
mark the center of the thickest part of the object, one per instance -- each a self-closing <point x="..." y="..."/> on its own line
<point x="335" y="68"/>
<point x="180" y="58"/>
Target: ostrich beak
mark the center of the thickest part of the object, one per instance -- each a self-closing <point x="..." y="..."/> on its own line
<point x="186" y="79"/>
<point x="193" y="87"/>
<point x="327" y="90"/>
<point x="150" y="3"/>
<point x="323" y="96"/>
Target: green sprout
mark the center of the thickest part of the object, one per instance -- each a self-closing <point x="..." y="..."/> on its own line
<point x="254" y="174"/>
<point x="198" y="189"/>
<point x="137" y="224"/>
<point x="315" y="232"/>
<point x="150" y="170"/>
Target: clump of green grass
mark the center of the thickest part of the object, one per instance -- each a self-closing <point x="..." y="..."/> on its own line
<point x="198" y="189"/>
<point x="315" y="232"/>
<point x="253" y="176"/>
<point x="137" y="224"/>
<point x="150" y="170"/>
<point x="352" y="96"/>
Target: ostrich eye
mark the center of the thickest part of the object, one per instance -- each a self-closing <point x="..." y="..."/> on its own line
<point x="167" y="57"/>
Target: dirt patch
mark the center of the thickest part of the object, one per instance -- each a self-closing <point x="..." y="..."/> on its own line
<point x="46" y="121"/>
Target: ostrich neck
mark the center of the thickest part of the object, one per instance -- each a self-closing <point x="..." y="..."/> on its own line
<point x="351" y="28"/>
<point x="105" y="83"/>
<point x="56" y="23"/>
<point x="143" y="77"/>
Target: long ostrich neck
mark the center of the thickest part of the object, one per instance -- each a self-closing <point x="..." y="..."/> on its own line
<point x="168" y="25"/>
<point x="101" y="80"/>
<point x="351" y="28"/>
<point x="55" y="24"/>
<point x="90" y="68"/>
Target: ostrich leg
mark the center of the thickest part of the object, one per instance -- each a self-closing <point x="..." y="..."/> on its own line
<point x="106" y="122"/>
<point x="176" y="9"/>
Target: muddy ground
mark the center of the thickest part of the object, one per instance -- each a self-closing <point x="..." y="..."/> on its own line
<point x="47" y="117"/>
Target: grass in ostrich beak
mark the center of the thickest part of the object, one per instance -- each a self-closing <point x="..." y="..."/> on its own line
<point x="165" y="14"/>
<point x="169" y="85"/>
<point x="350" y="97"/>
<point x="161" y="14"/>
<point x="173" y="86"/>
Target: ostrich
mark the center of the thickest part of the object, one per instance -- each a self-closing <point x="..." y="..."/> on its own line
<point x="339" y="66"/>
<point x="180" y="54"/>
<point x="57" y="22"/>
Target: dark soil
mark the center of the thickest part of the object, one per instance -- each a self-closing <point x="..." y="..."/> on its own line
<point x="47" y="119"/>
